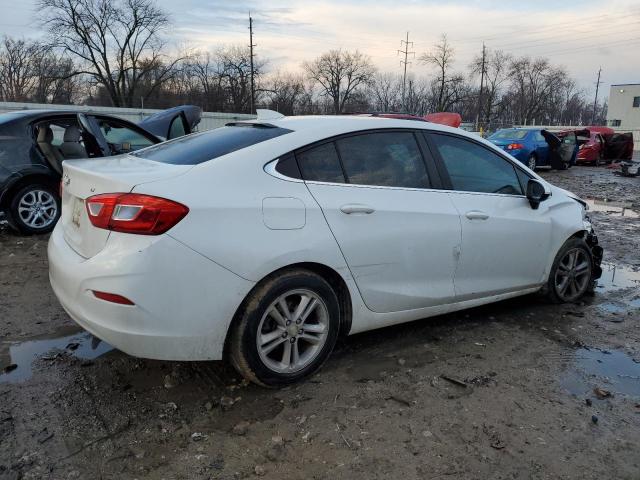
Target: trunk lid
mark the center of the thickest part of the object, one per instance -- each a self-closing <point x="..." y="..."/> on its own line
<point x="84" y="178"/>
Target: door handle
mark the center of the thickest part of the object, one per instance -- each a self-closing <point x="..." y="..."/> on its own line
<point x="357" y="208"/>
<point x="476" y="215"/>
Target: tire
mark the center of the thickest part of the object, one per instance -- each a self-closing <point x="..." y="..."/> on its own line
<point x="532" y="163"/>
<point x="575" y="271"/>
<point x="34" y="209"/>
<point x="262" y="320"/>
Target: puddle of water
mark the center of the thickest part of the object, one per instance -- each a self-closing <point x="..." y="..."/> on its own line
<point x="616" y="277"/>
<point x="23" y="354"/>
<point x="609" y="370"/>
<point x="616" y="209"/>
<point x="619" y="307"/>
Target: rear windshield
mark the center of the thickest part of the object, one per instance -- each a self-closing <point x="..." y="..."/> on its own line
<point x="201" y="147"/>
<point x="509" y="134"/>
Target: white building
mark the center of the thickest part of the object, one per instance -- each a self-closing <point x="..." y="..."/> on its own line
<point x="624" y="109"/>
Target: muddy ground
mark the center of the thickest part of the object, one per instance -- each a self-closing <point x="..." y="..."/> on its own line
<point x="521" y="403"/>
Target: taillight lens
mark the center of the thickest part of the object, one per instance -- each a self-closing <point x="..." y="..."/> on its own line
<point x="515" y="146"/>
<point x="134" y="213"/>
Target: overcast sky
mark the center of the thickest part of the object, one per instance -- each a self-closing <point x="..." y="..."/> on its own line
<point x="581" y="35"/>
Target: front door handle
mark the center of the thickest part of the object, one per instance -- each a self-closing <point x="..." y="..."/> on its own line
<point x="357" y="208"/>
<point x="476" y="215"/>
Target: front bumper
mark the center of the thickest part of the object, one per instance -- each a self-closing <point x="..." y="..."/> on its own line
<point x="184" y="302"/>
<point x="596" y="252"/>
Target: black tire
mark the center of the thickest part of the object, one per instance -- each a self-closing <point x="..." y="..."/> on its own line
<point x="243" y="342"/>
<point x="532" y="163"/>
<point x="50" y="209"/>
<point x="583" y="283"/>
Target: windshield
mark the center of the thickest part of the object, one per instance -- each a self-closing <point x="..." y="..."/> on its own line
<point x="201" y="147"/>
<point x="509" y="134"/>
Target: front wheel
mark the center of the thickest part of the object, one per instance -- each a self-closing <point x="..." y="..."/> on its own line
<point x="571" y="272"/>
<point x="34" y="209"/>
<point x="286" y="329"/>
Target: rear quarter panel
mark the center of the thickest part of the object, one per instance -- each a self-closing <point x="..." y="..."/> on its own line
<point x="227" y="222"/>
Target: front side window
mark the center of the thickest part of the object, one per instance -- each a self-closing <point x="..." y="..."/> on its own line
<point x="390" y="159"/>
<point x="474" y="168"/>
<point x="321" y="164"/>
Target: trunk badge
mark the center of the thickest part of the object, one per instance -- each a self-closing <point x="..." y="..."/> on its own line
<point x="66" y="179"/>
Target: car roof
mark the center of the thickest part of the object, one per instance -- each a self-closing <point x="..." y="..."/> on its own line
<point x="329" y="125"/>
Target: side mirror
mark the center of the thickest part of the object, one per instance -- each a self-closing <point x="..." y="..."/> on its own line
<point x="536" y="193"/>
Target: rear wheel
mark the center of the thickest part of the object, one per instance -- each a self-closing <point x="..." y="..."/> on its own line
<point x="34" y="209"/>
<point x="532" y="162"/>
<point x="286" y="329"/>
<point x="570" y="276"/>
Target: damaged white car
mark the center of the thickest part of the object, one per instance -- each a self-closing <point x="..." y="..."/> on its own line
<point x="264" y="241"/>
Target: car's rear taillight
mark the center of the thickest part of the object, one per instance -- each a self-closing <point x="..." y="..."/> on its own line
<point x="515" y="146"/>
<point x="134" y="213"/>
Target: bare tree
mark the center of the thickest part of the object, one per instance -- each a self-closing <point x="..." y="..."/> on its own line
<point x="17" y="68"/>
<point x="386" y="91"/>
<point x="284" y="92"/>
<point x="117" y="42"/>
<point x="235" y="62"/>
<point x="339" y="73"/>
<point x="496" y="71"/>
<point x="441" y="57"/>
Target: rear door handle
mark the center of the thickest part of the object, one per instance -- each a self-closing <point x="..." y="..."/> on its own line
<point x="476" y="215"/>
<point x="357" y="208"/>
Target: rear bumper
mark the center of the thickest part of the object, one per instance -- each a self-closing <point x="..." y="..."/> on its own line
<point x="184" y="302"/>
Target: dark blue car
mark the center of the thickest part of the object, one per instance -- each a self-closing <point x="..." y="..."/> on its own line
<point x="536" y="147"/>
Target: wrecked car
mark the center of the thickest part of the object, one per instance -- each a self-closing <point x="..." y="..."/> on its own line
<point x="34" y="143"/>
<point x="263" y="242"/>
<point x="536" y="147"/>
<point x="600" y="145"/>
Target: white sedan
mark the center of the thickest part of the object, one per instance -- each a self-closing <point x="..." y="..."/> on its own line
<point x="264" y="241"/>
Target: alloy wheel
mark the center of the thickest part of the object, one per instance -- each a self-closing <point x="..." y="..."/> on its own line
<point x="293" y="331"/>
<point x="37" y="209"/>
<point x="532" y="162"/>
<point x="573" y="275"/>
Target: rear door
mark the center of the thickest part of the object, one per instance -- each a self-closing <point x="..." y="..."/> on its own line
<point x="399" y="235"/>
<point x="504" y="241"/>
<point x="541" y="148"/>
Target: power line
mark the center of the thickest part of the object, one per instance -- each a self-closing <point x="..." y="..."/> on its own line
<point x="406" y="52"/>
<point x="482" y="70"/>
<point x="595" y="101"/>
<point x="251" y="45"/>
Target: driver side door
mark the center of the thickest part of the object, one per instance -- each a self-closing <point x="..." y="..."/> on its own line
<point x="504" y="241"/>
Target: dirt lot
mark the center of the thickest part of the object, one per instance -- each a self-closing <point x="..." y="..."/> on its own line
<point x="519" y="401"/>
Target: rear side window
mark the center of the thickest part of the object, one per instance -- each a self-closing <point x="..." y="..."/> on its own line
<point x="390" y="159"/>
<point x="321" y="164"/>
<point x="201" y="147"/>
<point x="473" y="168"/>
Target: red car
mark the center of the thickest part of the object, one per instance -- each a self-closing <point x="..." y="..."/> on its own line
<point x="602" y="145"/>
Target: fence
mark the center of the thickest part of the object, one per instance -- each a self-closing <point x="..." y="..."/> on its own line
<point x="209" y="121"/>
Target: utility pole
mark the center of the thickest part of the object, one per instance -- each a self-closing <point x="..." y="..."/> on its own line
<point x="251" y="45"/>
<point x="595" y="101"/>
<point x="482" y="70"/>
<point x="405" y="62"/>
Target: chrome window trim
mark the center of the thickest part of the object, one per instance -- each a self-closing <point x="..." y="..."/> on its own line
<point x="270" y="168"/>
